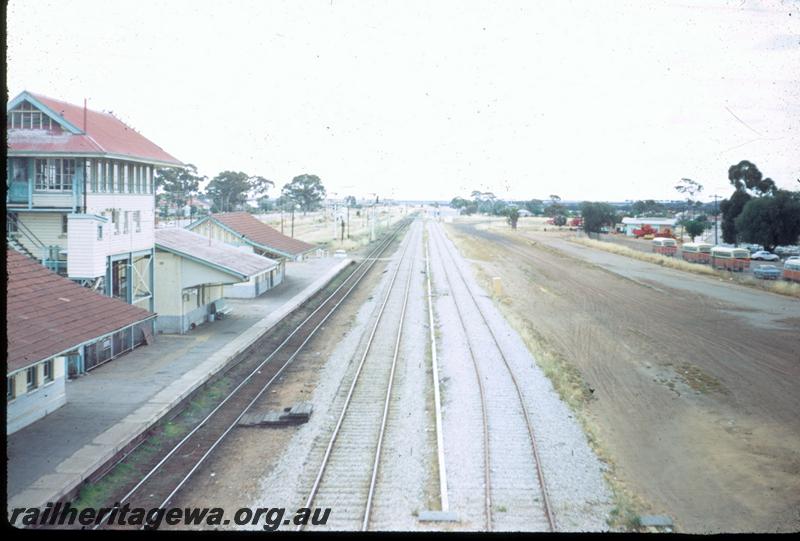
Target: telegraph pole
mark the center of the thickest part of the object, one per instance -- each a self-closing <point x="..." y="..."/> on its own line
<point x="716" y="219"/>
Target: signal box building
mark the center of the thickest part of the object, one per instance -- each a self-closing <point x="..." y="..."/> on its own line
<point x="80" y="196"/>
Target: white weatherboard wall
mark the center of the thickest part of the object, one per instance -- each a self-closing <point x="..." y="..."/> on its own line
<point x="133" y="241"/>
<point x="31" y="406"/>
<point x="86" y="255"/>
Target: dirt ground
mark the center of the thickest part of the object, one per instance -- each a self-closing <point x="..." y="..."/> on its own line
<point x="695" y="408"/>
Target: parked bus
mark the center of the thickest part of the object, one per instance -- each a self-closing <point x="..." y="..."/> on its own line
<point x="791" y="270"/>
<point x="732" y="259"/>
<point x="665" y="246"/>
<point x="696" y="252"/>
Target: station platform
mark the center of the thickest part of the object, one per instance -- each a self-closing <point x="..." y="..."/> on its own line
<point x="115" y="403"/>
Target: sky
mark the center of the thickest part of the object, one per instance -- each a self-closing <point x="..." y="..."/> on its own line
<point x="590" y="100"/>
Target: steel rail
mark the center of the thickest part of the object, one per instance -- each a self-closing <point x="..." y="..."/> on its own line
<point x="539" y="472"/>
<point x="345" y="406"/>
<point x="366" y="264"/>
<point x="487" y="476"/>
<point x="377" y="460"/>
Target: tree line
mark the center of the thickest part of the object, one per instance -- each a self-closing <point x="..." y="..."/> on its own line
<point x="757" y="212"/>
<point x="230" y="190"/>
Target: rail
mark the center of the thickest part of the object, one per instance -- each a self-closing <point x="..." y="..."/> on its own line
<point x="332" y="302"/>
<point x="529" y="425"/>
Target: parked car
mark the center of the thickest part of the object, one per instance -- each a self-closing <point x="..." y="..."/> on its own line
<point x="767" y="272"/>
<point x="793" y="258"/>
<point x="763" y="255"/>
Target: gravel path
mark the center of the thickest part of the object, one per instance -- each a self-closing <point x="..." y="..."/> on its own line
<point x="579" y="497"/>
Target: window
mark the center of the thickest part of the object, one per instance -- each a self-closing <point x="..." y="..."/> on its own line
<point x="123" y="178"/>
<point x="119" y="280"/>
<point x="137" y="220"/>
<point x="32" y="378"/>
<point x="48" y="371"/>
<point x="28" y="117"/>
<point x="64" y="224"/>
<point x="125" y="222"/>
<point x="90" y="176"/>
<point x="115" y="220"/>
<point x="100" y="232"/>
<point x="54" y="175"/>
<point x="11" y="388"/>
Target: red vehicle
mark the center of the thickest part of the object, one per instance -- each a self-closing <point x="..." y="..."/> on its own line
<point x="576" y="222"/>
<point x="696" y="252"/>
<point x="791" y="270"/>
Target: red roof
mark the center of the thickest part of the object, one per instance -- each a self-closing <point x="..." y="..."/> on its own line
<point x="105" y="134"/>
<point x="257" y="231"/>
<point x="48" y="314"/>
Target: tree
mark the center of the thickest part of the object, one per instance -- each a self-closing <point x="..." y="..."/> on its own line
<point x="534" y="206"/>
<point x="555" y="208"/>
<point x="648" y="207"/>
<point x="350" y="201"/>
<point x="512" y="216"/>
<point x="178" y="185"/>
<point x="689" y="188"/>
<point x="772" y="220"/>
<point x="746" y="176"/>
<point x="694" y="228"/>
<point x="597" y="215"/>
<point x="305" y="190"/>
<point x="458" y="203"/>
<point x="731" y="208"/>
<point x="560" y="220"/>
<point x="229" y="190"/>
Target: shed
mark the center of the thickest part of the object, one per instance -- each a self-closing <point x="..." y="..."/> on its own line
<point x="193" y="273"/>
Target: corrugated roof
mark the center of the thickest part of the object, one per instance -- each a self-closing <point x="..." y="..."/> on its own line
<point x="257" y="231"/>
<point x="105" y="134"/>
<point x="214" y="252"/>
<point x="49" y="314"/>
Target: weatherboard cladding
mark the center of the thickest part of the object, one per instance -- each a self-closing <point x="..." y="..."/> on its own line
<point x="105" y="135"/>
<point x="213" y="252"/>
<point x="260" y="233"/>
<point x="48" y="314"/>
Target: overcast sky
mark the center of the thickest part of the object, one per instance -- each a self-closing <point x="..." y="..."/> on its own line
<point x="600" y="100"/>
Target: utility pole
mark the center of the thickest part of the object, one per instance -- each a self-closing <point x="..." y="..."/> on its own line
<point x="293" y="221"/>
<point x="716" y="219"/>
<point x="348" y="220"/>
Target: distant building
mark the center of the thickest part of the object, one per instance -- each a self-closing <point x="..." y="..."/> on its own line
<point x="659" y="224"/>
<point x="244" y="229"/>
<point x="80" y="195"/>
<point x="194" y="273"/>
<point x="56" y="327"/>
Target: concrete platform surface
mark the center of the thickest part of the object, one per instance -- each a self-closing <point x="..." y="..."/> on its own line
<point x="114" y="403"/>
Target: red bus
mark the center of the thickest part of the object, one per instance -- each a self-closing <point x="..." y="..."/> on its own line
<point x="696" y="252"/>
<point x="791" y="270"/>
<point x="732" y="259"/>
<point x="665" y="246"/>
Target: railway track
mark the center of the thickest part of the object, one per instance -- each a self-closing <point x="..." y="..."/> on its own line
<point x="512" y="469"/>
<point x="349" y="465"/>
<point x="163" y="481"/>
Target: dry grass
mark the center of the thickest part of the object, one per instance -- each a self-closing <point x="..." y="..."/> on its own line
<point x="780" y="287"/>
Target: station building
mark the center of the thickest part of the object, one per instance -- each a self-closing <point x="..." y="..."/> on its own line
<point x="245" y="230"/>
<point x="56" y="327"/>
<point x="81" y="195"/>
<point x="194" y="273"/>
